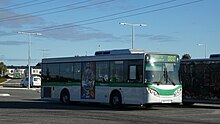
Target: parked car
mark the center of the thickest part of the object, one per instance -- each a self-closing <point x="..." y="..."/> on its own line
<point x="34" y="82"/>
<point x="23" y="81"/>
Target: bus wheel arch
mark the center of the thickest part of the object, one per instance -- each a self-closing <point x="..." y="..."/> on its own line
<point x="65" y="96"/>
<point x="115" y="99"/>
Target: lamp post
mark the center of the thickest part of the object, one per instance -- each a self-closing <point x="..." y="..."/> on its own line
<point x="132" y="31"/>
<point x="204" y="47"/>
<point x="29" y="53"/>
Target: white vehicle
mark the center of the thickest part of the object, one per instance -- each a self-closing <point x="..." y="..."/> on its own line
<point x="22" y="82"/>
<point x="117" y="77"/>
<point x="35" y="82"/>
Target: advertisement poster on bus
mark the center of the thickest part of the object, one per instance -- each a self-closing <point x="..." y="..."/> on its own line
<point x="88" y="81"/>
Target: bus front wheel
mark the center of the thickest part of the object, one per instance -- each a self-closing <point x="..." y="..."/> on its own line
<point x="116" y="100"/>
<point x="65" y="97"/>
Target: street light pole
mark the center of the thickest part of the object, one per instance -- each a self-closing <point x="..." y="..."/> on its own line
<point x="204" y="47"/>
<point x="29" y="53"/>
<point x="132" y="36"/>
<point x="132" y="31"/>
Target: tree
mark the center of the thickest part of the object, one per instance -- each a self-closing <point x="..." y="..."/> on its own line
<point x="186" y="56"/>
<point x="38" y="64"/>
<point x="3" y="69"/>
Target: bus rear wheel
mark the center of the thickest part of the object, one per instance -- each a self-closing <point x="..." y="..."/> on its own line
<point x="65" y="97"/>
<point x="115" y="100"/>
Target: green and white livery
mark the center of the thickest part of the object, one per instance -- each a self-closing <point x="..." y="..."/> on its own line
<point x="117" y="77"/>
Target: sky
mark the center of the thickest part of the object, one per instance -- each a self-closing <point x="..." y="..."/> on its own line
<point x="81" y="27"/>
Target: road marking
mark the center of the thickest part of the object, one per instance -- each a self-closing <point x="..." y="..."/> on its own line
<point x="4" y="94"/>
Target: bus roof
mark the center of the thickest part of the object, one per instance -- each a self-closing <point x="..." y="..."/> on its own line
<point x="100" y="56"/>
<point x="120" y="51"/>
<point x="200" y="60"/>
<point x="214" y="56"/>
<point x="120" y="54"/>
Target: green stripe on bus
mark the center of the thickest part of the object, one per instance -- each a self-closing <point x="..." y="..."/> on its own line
<point x="60" y="84"/>
<point x="96" y="84"/>
<point x="121" y="84"/>
<point x="160" y="91"/>
<point x="164" y="92"/>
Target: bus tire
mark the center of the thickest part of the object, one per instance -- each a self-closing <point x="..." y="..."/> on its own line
<point x="65" y="97"/>
<point x="115" y="99"/>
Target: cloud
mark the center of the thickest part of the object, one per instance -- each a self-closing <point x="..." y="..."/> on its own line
<point x="17" y="22"/>
<point x="12" y="43"/>
<point x="3" y="33"/>
<point x="158" y="38"/>
<point x="143" y="35"/>
<point x="4" y="1"/>
<point x="78" y="33"/>
<point x="162" y="38"/>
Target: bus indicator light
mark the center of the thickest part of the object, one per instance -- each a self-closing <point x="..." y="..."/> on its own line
<point x="153" y="92"/>
<point x="177" y="92"/>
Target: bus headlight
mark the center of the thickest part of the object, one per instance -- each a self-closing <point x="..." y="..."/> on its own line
<point x="177" y="92"/>
<point x="153" y="92"/>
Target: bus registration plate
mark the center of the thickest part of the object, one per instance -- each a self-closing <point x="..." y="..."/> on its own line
<point x="166" y="101"/>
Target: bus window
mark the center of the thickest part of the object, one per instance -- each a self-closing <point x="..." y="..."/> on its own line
<point x="102" y="71"/>
<point x="135" y="74"/>
<point x="134" y="70"/>
<point x="53" y="72"/>
<point x="77" y="71"/>
<point x="66" y="72"/>
<point x="116" y="71"/>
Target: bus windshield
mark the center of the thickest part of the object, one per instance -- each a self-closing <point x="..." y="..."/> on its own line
<point x="162" y="73"/>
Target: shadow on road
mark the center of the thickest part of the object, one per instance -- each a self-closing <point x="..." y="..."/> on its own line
<point x="39" y="104"/>
<point x="198" y="106"/>
<point x="203" y="106"/>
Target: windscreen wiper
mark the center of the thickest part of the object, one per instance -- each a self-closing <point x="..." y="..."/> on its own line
<point x="167" y="78"/>
<point x="171" y="81"/>
<point x="165" y="75"/>
<point x="160" y="81"/>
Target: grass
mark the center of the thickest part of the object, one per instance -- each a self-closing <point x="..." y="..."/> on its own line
<point x="2" y="80"/>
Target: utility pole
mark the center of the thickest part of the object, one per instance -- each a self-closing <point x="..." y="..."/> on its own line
<point x="29" y="53"/>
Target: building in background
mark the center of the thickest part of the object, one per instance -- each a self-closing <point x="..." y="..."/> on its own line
<point x="22" y="71"/>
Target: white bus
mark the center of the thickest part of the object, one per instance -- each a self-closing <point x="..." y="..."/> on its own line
<point x="117" y="77"/>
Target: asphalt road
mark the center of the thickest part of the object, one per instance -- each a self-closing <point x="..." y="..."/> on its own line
<point x="23" y="106"/>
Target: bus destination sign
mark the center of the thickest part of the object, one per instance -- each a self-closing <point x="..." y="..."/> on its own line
<point x="164" y="58"/>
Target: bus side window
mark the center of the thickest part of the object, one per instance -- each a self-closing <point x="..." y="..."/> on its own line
<point x="53" y="72"/>
<point x="66" y="72"/>
<point x="102" y="71"/>
<point x="134" y="69"/>
<point x="140" y="73"/>
<point x="135" y="74"/>
<point x="77" y="72"/>
<point x="132" y="72"/>
<point x="116" y="71"/>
